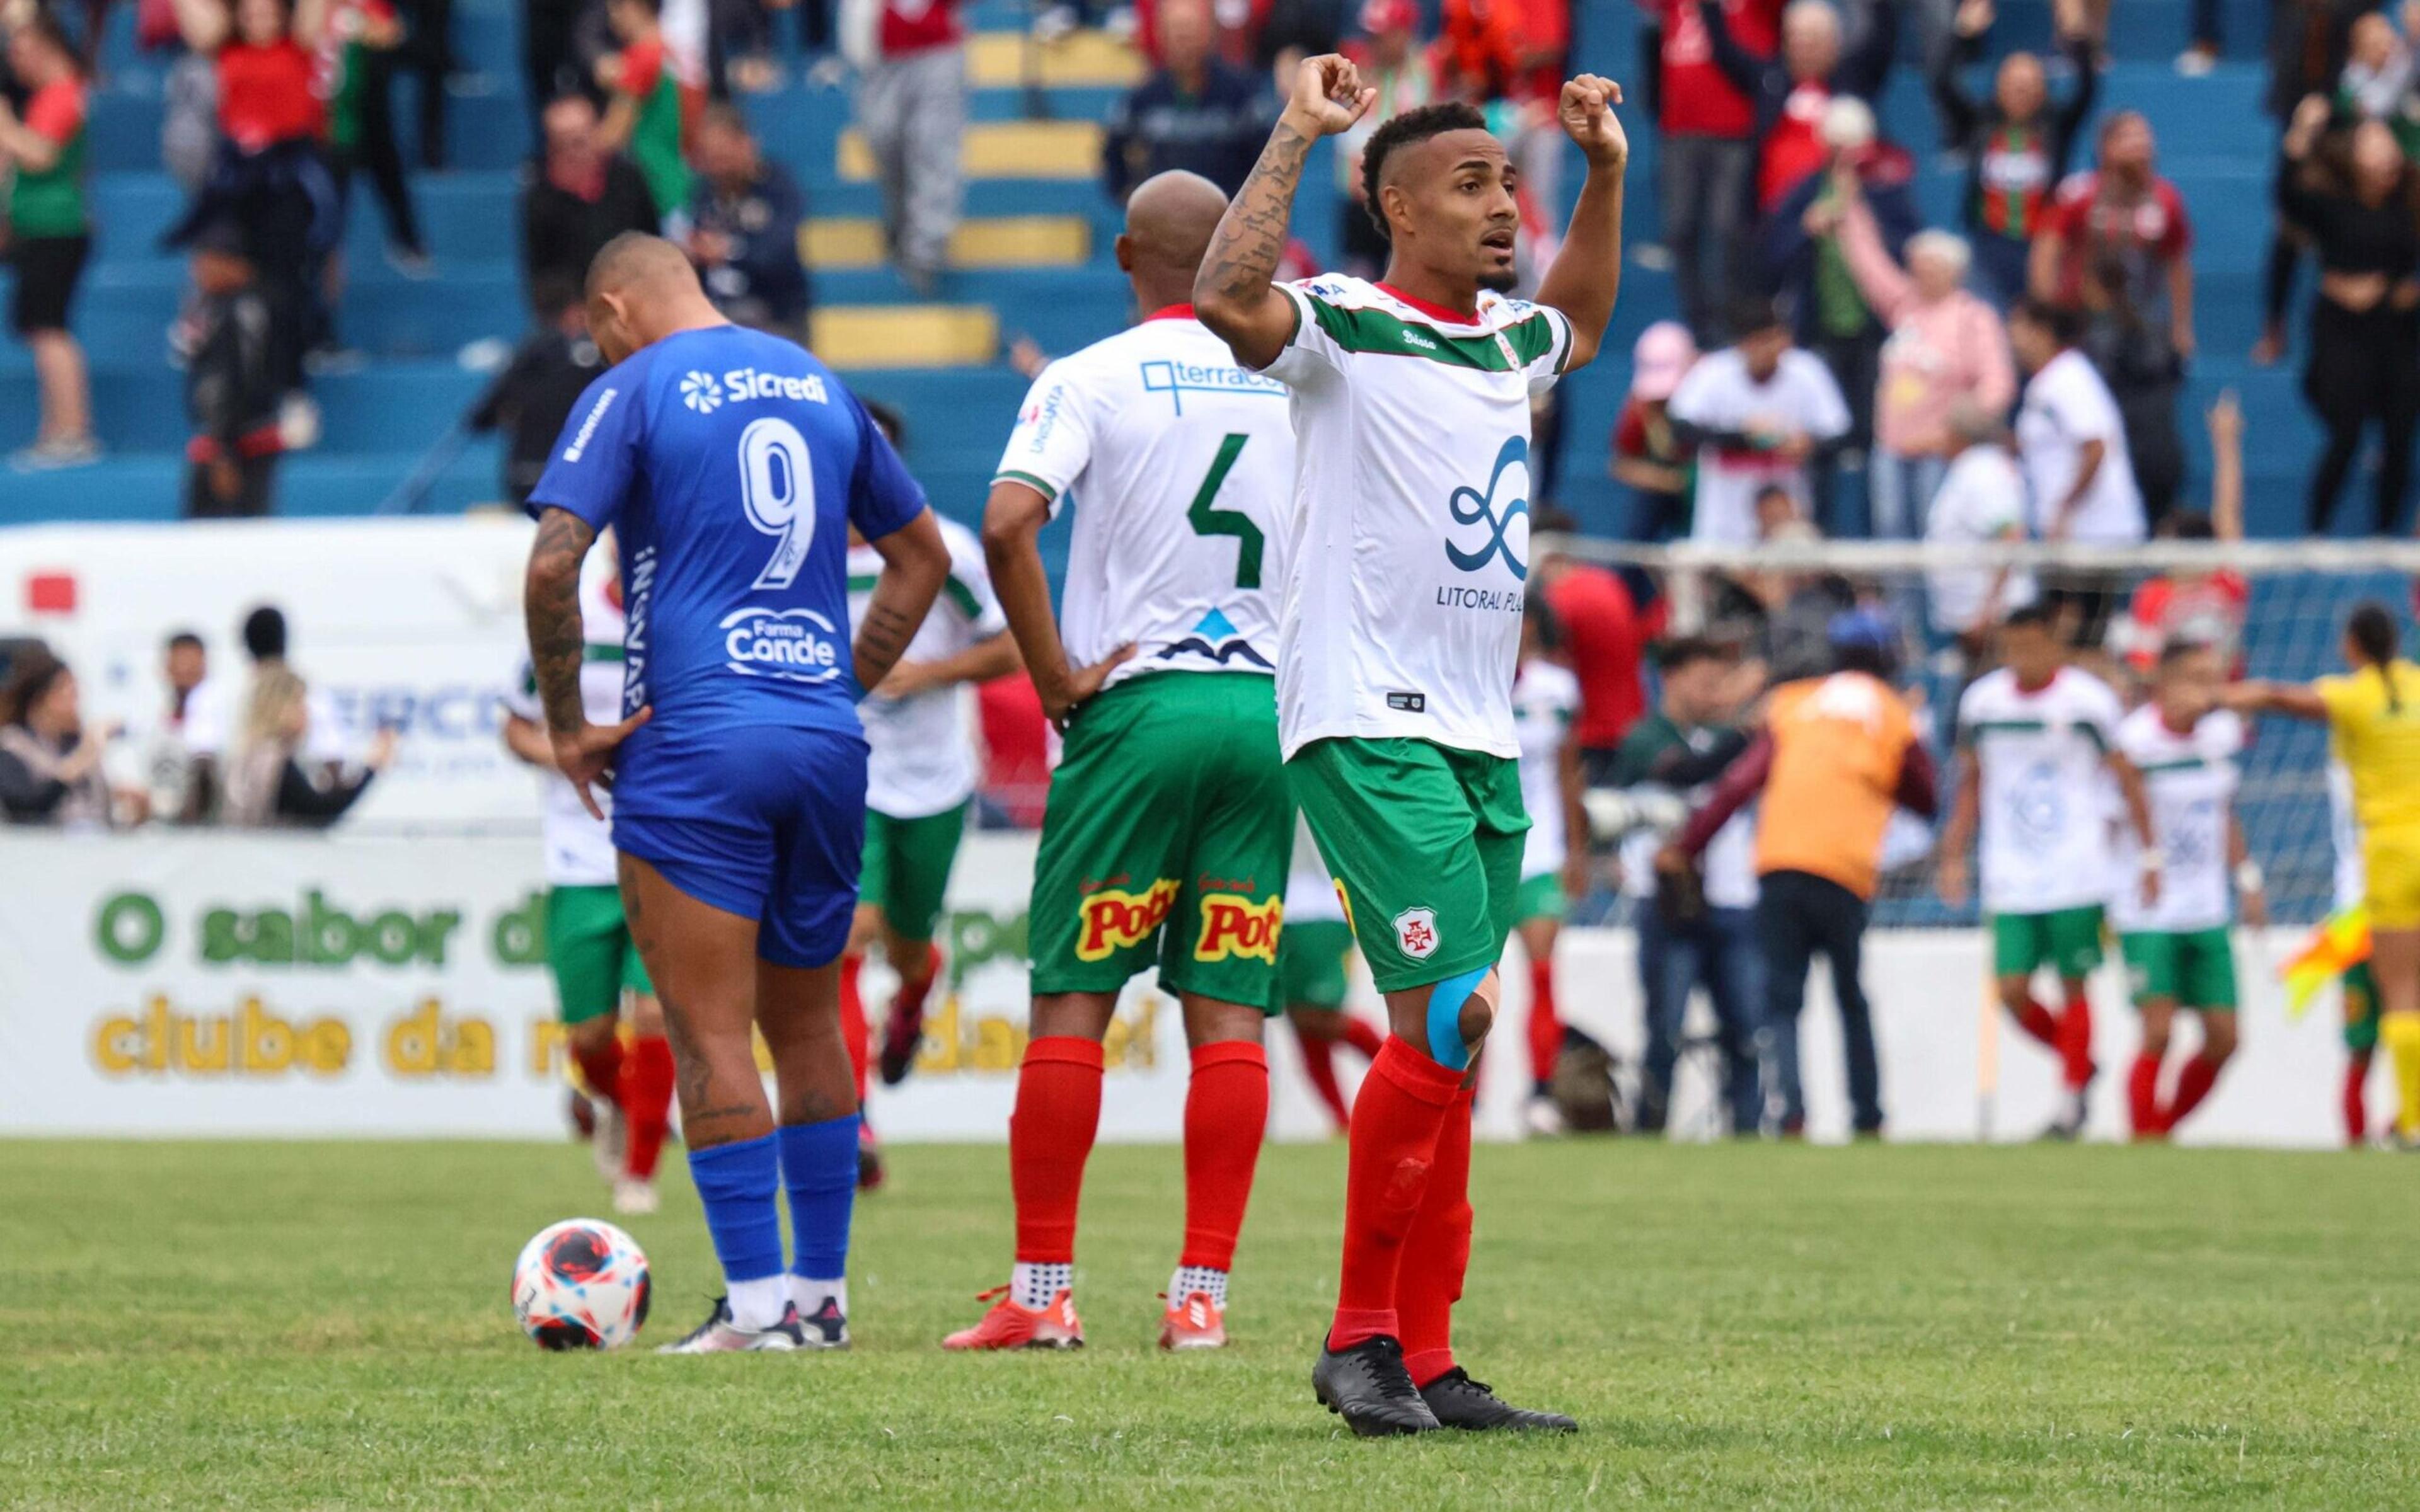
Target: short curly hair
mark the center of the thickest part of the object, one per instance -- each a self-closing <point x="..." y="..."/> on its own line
<point x="1408" y="129"/>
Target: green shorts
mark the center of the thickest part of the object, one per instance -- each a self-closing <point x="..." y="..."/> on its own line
<point x="2191" y="969"/>
<point x="1167" y="842"/>
<point x="1424" y="843"/>
<point x="1313" y="959"/>
<point x="907" y="868"/>
<point x="2067" y="940"/>
<point x="1540" y="897"/>
<point x="589" y="946"/>
<point x="2360" y="1008"/>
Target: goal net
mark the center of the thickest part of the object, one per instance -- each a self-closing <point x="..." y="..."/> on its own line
<point x="2274" y="610"/>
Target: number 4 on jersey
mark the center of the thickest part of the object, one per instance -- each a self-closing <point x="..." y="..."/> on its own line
<point x="1208" y="520"/>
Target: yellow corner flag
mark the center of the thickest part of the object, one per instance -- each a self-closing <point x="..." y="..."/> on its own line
<point x="2339" y="943"/>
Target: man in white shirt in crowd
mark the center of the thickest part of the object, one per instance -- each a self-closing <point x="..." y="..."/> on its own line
<point x="2072" y="442"/>
<point x="1757" y="411"/>
<point x="1981" y="501"/>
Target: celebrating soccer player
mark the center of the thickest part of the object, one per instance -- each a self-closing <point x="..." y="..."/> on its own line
<point x="2178" y="954"/>
<point x="2035" y="738"/>
<point x="587" y="938"/>
<point x="1165" y="839"/>
<point x="733" y="465"/>
<point x="1403" y="620"/>
<point x="2373" y="719"/>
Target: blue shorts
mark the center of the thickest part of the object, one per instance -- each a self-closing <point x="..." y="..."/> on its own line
<point x="767" y="822"/>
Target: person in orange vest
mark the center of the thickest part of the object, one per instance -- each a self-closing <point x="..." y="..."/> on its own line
<point x="1838" y="755"/>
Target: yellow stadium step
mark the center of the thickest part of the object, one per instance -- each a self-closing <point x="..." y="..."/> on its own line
<point x="846" y="242"/>
<point x="906" y="335"/>
<point x="1004" y="149"/>
<point x="997" y="60"/>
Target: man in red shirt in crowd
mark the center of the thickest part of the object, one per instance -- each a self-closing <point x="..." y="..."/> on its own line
<point x="1605" y="636"/>
<point x="1789" y="91"/>
<point x="1707" y="146"/>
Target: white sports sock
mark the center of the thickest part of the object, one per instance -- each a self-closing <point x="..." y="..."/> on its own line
<point x="1033" y="1284"/>
<point x="758" y="1305"/>
<point x="809" y="1296"/>
<point x="1202" y="1278"/>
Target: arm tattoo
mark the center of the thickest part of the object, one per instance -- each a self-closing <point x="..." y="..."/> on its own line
<point x="551" y="604"/>
<point x="881" y="640"/>
<point x="1252" y="235"/>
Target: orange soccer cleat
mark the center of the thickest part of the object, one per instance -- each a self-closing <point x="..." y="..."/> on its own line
<point x="1194" y="1323"/>
<point x="1011" y="1326"/>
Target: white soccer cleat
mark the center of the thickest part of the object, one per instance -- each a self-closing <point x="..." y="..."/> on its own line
<point x="611" y="1138"/>
<point x="635" y="1198"/>
<point x="1542" y="1118"/>
<point x="718" y="1334"/>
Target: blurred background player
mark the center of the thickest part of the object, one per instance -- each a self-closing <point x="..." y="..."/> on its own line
<point x="2355" y="983"/>
<point x="1554" y="870"/>
<point x="2373" y="719"/>
<point x="1400" y="643"/>
<point x="738" y="770"/>
<point x="1167" y="834"/>
<point x="588" y="943"/>
<point x="2177" y="952"/>
<point x="921" y="771"/>
<point x="2035" y="737"/>
<point x="1315" y="972"/>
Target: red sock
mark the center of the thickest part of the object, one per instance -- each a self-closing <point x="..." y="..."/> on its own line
<point x="2075" y="1041"/>
<point x="1437" y="1252"/>
<point x="852" y="1021"/>
<point x="1545" y="1028"/>
<point x="1363" y="1036"/>
<point x="2039" y="1022"/>
<point x="910" y="996"/>
<point x="2143" y="1095"/>
<point x="1396" y="1118"/>
<point x="1226" y="1112"/>
<point x="2356" y="1099"/>
<point x="2193" y="1084"/>
<point x="1049" y="1136"/>
<point x="601" y="1069"/>
<point x="647" y="1101"/>
<point x="1318" y="1068"/>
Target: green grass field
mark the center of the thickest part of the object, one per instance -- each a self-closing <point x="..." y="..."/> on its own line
<point x="326" y="1324"/>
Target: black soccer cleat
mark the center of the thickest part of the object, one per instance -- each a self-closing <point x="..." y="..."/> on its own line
<point x="1367" y="1386"/>
<point x="1460" y="1402"/>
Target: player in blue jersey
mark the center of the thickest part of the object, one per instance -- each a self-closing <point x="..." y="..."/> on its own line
<point x="731" y="465"/>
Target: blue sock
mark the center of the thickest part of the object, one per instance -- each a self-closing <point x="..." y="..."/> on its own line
<point x="736" y="1182"/>
<point x="819" y="1170"/>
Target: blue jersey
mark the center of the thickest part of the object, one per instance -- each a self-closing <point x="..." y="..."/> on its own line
<point x="730" y="464"/>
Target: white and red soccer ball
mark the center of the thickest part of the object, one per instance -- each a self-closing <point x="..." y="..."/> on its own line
<point x="582" y="1284"/>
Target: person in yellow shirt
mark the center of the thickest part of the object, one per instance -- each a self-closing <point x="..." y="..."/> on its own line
<point x="2373" y="719"/>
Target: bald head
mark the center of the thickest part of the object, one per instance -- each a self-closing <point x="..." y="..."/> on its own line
<point x="1170" y="220"/>
<point x="640" y="289"/>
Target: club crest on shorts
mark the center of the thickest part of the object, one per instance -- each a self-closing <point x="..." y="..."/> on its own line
<point x="1416" y="933"/>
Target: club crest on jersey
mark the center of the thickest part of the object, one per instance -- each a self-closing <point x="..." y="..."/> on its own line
<point x="1115" y="920"/>
<point x="1234" y="925"/>
<point x="797" y="645"/>
<point x="702" y="392"/>
<point x="1416" y="933"/>
<point x="1470" y="506"/>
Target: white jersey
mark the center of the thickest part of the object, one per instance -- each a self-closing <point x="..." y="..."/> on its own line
<point x="1982" y="499"/>
<point x="1310" y="892"/>
<point x="1720" y="395"/>
<point x="1181" y="466"/>
<point x="921" y="749"/>
<point x="2344" y="827"/>
<point x="1545" y="700"/>
<point x="1403" y="611"/>
<point x="2045" y="833"/>
<point x="2190" y="780"/>
<point x="579" y="848"/>
<point x="2067" y="405"/>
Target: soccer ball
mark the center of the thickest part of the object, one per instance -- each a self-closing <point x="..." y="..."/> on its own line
<point x="582" y="1284"/>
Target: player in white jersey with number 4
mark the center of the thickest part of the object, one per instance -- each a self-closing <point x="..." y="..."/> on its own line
<point x="588" y="943"/>
<point x="1166" y="839"/>
<point x="2178" y="953"/>
<point x="920" y="774"/>
<point x="2037" y="743"/>
<point x="1403" y="623"/>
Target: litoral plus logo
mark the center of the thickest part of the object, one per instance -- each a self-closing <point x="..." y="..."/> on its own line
<point x="1470" y="506"/>
<point x="702" y="392"/>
